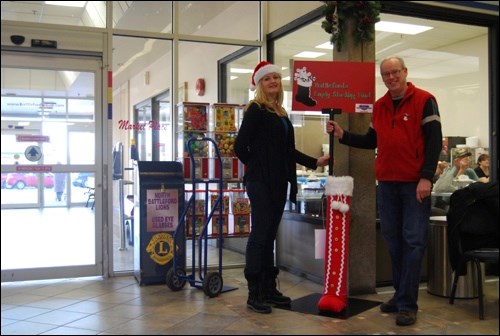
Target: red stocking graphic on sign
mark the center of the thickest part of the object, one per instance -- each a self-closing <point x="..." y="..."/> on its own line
<point x="339" y="192"/>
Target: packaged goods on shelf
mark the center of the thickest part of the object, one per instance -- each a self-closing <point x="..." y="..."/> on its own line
<point x="215" y="224"/>
<point x="241" y="224"/>
<point x="198" y="225"/>
<point x="225" y="203"/>
<point x="241" y="206"/>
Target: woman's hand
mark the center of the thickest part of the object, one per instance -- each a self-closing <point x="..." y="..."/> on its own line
<point x="323" y="161"/>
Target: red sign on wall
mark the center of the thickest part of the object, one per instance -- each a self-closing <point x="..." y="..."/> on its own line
<point x="349" y="86"/>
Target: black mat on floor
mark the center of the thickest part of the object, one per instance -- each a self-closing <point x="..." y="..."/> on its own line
<point x="309" y="305"/>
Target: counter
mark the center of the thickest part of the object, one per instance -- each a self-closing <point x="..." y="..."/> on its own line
<point x="295" y="245"/>
<point x="295" y="251"/>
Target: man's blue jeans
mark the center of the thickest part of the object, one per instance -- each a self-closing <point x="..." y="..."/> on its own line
<point x="404" y="224"/>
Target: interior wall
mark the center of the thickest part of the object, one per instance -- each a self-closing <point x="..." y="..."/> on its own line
<point x="455" y="92"/>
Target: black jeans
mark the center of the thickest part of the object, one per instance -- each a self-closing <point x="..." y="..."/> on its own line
<point x="267" y="209"/>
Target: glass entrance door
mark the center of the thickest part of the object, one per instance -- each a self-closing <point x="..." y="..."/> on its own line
<point x="51" y="171"/>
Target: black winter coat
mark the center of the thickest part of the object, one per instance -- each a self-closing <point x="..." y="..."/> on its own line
<point x="267" y="148"/>
<point x="472" y="221"/>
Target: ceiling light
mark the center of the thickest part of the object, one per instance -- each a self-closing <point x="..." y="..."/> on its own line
<point x="240" y="70"/>
<point x="400" y="28"/>
<point x="287" y="78"/>
<point x="79" y="4"/>
<point x="327" y="45"/>
<point x="233" y="77"/>
<point x="309" y="54"/>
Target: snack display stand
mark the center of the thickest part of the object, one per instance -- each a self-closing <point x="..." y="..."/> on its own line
<point x="213" y="160"/>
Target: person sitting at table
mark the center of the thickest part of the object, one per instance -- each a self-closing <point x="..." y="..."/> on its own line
<point x="461" y="166"/>
<point x="483" y="168"/>
<point x="441" y="166"/>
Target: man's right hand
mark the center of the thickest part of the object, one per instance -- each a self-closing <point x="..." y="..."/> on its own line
<point x="334" y="128"/>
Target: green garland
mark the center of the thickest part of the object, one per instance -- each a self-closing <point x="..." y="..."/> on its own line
<point x="364" y="13"/>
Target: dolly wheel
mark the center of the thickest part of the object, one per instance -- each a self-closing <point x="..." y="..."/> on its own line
<point x="175" y="280"/>
<point x="212" y="284"/>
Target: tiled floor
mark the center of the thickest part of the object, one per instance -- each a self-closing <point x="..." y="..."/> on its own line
<point x="119" y="306"/>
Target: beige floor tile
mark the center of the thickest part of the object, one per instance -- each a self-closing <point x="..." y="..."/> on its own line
<point x="119" y="306"/>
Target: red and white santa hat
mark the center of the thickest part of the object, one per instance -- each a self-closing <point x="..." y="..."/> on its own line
<point x="262" y="69"/>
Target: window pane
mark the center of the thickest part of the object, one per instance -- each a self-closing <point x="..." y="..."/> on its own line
<point x="224" y="19"/>
<point x="80" y="13"/>
<point x="151" y="16"/>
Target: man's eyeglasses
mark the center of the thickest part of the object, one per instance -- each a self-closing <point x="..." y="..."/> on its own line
<point x="388" y="74"/>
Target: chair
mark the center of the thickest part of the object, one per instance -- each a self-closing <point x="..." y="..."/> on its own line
<point x="91" y="197"/>
<point x="473" y="232"/>
<point x="91" y="192"/>
<point x="483" y="255"/>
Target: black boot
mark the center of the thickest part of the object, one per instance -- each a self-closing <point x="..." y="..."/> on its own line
<point x="303" y="96"/>
<point x="255" y="301"/>
<point x="271" y="293"/>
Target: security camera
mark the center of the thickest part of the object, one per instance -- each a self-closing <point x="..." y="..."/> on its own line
<point x="17" y="39"/>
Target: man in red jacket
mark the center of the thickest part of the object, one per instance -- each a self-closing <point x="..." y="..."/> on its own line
<point x="406" y="130"/>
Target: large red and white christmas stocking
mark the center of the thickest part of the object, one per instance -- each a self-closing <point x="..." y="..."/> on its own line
<point x="338" y="191"/>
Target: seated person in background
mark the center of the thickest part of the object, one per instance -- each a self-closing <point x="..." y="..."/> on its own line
<point x="460" y="166"/>
<point x="483" y="168"/>
<point x="441" y="166"/>
<point x="439" y="205"/>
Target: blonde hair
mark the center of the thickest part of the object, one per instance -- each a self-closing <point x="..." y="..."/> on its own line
<point x="263" y="100"/>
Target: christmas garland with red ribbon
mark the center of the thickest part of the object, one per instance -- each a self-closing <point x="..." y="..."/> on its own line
<point x="364" y="13"/>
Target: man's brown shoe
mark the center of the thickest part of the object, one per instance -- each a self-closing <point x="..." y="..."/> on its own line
<point x="406" y="318"/>
<point x="389" y="307"/>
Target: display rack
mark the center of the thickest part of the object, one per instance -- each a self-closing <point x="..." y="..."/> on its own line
<point x="219" y="122"/>
<point x="193" y="122"/>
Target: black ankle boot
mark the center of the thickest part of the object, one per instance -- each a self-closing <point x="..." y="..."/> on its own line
<point x="258" y="305"/>
<point x="277" y="298"/>
<point x="271" y="294"/>
<point x="255" y="301"/>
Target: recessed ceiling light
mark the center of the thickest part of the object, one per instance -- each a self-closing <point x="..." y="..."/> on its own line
<point x="400" y="28"/>
<point x="79" y="4"/>
<point x="233" y="77"/>
<point x="309" y="54"/>
<point x="240" y="70"/>
<point x="327" y="45"/>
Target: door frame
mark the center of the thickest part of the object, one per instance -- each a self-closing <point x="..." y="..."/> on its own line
<point x="76" y="61"/>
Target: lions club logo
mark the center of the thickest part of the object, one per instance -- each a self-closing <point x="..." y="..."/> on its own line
<point x="161" y="248"/>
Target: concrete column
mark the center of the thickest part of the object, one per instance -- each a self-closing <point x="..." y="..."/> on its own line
<point x="358" y="163"/>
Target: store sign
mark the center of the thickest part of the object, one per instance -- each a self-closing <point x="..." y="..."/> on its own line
<point x="162" y="210"/>
<point x="349" y="86"/>
<point x="32" y="138"/>
<point x="33" y="169"/>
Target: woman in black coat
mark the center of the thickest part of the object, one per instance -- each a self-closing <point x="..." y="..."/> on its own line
<point x="266" y="145"/>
